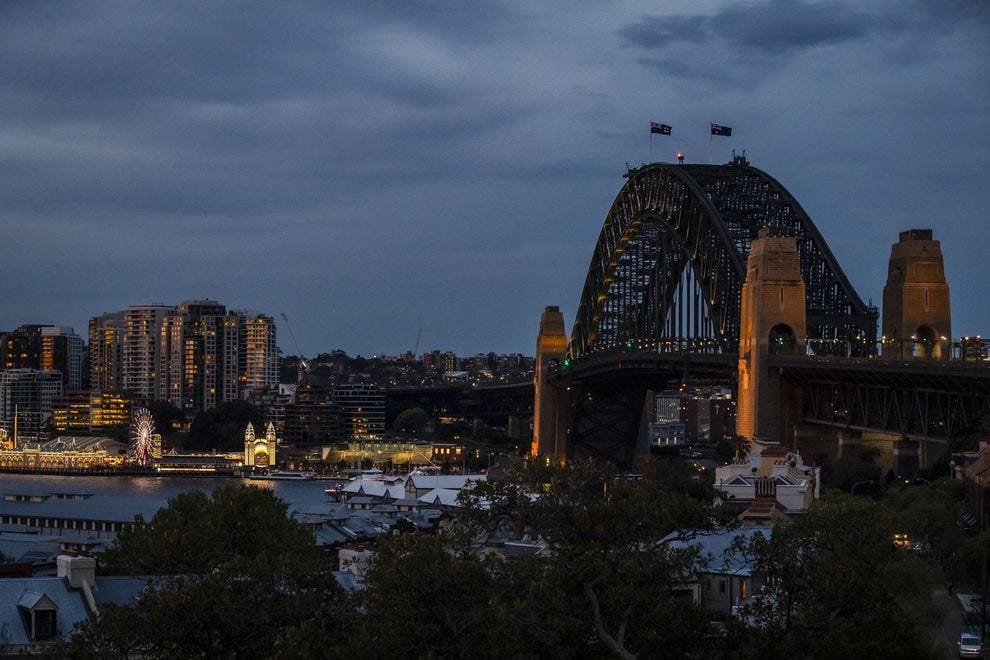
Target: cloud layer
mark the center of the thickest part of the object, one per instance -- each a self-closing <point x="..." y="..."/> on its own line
<point x="374" y="168"/>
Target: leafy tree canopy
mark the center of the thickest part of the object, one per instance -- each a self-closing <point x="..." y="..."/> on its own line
<point x="411" y="420"/>
<point x="222" y="428"/>
<point x="197" y="533"/>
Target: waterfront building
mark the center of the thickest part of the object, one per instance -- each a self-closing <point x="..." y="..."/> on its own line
<point x="362" y="407"/>
<point x="259" y="450"/>
<point x="110" y="410"/>
<point x="72" y="412"/>
<point x="312" y="419"/>
<point x="65" y="453"/>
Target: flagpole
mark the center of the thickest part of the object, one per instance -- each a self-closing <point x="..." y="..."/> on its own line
<point x="710" y="143"/>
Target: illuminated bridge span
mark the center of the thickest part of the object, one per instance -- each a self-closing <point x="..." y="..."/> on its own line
<point x="671" y="260"/>
<point x="717" y="273"/>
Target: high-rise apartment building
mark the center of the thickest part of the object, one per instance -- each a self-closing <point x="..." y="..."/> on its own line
<point x="195" y="355"/>
<point x="21" y="348"/>
<point x="194" y="350"/>
<point x="106" y="352"/>
<point x="49" y="347"/>
<point x="62" y="349"/>
<point x="257" y="352"/>
<point x="142" y="329"/>
<point x="28" y="394"/>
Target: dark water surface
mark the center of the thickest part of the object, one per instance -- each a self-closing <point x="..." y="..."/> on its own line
<point x="299" y="495"/>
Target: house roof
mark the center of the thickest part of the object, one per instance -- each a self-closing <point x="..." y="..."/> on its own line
<point x="716" y="551"/>
<point x="445" y="481"/>
<point x="442" y="496"/>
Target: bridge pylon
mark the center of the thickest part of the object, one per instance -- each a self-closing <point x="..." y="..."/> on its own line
<point x="773" y="321"/>
<point x="550" y="409"/>
<point x="916" y="318"/>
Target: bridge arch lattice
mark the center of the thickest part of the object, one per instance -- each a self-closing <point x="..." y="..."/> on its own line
<point x="677" y="224"/>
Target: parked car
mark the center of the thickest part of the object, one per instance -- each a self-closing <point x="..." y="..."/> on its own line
<point x="970" y="645"/>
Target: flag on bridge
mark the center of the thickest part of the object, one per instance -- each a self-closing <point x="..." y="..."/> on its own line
<point x="721" y="130"/>
<point x="659" y="129"/>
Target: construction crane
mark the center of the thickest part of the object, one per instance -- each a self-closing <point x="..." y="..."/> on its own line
<point x="302" y="365"/>
<point x="419" y="333"/>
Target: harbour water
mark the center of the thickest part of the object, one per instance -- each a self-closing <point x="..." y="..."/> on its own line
<point x="299" y="495"/>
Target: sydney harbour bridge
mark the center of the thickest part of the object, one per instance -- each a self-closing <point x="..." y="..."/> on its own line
<point x="716" y="273"/>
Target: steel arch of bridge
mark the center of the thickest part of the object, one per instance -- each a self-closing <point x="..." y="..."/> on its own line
<point x="671" y="222"/>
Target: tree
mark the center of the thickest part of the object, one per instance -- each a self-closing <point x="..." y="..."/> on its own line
<point x="166" y="416"/>
<point x="929" y="515"/>
<point x="608" y="576"/>
<point x="411" y="420"/>
<point x="228" y="574"/>
<point x="197" y="533"/>
<point x="222" y="428"/>
<point x="837" y="587"/>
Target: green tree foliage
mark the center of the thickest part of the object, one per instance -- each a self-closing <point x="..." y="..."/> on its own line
<point x="222" y="428"/>
<point x="411" y="420"/>
<point x="223" y="613"/>
<point x="838" y="587"/>
<point x="611" y="577"/>
<point x="167" y="417"/>
<point x="234" y="572"/>
<point x="197" y="533"/>
<point x="606" y="581"/>
<point x="930" y="514"/>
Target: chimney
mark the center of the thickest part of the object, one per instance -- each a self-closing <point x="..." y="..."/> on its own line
<point x="77" y="570"/>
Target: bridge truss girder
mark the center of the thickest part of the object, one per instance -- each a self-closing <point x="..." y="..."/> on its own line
<point x="670" y="223"/>
<point x="901" y="410"/>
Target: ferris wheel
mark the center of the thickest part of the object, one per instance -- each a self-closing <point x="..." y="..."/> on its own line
<point x="142" y="435"/>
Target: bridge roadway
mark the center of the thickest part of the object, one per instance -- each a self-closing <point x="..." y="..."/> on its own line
<point x="931" y="399"/>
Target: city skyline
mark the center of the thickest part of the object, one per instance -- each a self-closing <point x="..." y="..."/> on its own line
<point x="386" y="175"/>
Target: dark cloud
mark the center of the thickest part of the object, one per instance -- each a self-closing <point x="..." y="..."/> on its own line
<point x="775" y="26"/>
<point x="371" y="167"/>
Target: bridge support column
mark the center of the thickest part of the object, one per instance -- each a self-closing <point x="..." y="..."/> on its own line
<point x="849" y="444"/>
<point x="906" y="460"/>
<point x="550" y="406"/>
<point x="916" y="318"/>
<point x="772" y="322"/>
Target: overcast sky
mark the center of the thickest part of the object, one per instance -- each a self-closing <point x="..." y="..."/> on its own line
<point x="376" y="168"/>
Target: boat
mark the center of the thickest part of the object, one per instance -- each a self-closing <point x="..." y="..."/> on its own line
<point x="282" y="475"/>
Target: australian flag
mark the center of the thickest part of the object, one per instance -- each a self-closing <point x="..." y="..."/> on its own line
<point x="659" y="129"/>
<point x="721" y="130"/>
